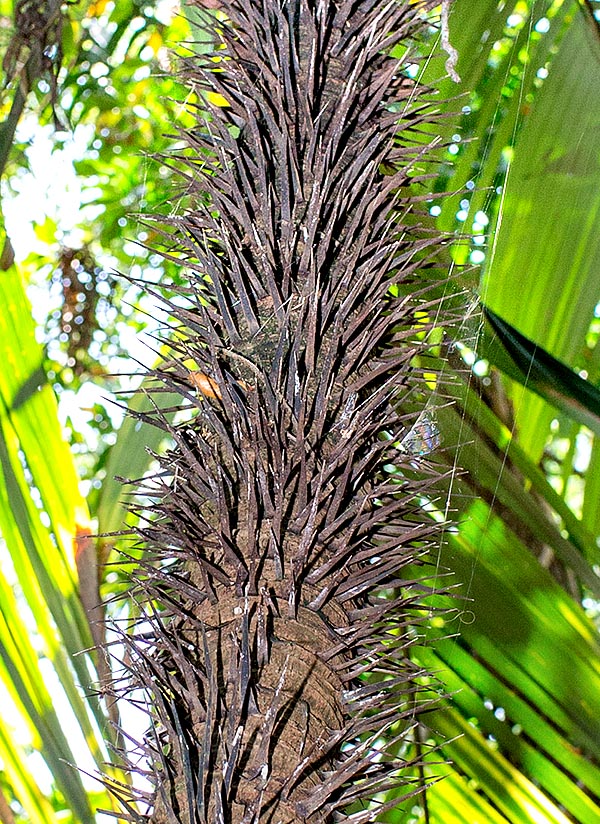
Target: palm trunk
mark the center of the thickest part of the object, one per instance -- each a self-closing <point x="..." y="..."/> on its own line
<point x="281" y="588"/>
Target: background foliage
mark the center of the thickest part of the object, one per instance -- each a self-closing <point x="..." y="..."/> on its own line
<point x="522" y="662"/>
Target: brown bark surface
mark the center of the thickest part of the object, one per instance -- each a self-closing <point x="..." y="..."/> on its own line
<point x="281" y="587"/>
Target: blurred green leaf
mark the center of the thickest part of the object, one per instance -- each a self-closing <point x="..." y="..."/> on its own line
<point x="542" y="274"/>
<point x="130" y="457"/>
<point x="41" y="541"/>
<point x="544" y="374"/>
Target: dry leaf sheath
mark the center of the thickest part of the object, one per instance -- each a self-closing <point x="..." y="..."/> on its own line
<point x="280" y="590"/>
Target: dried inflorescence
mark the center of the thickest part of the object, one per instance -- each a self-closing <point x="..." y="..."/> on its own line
<point x="280" y="591"/>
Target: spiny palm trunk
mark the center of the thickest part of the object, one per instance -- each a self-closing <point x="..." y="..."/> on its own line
<point x="278" y="587"/>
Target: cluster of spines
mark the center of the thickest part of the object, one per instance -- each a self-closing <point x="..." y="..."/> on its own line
<point x="280" y="590"/>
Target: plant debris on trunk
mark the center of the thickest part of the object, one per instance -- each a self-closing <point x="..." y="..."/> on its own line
<point x="282" y="585"/>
